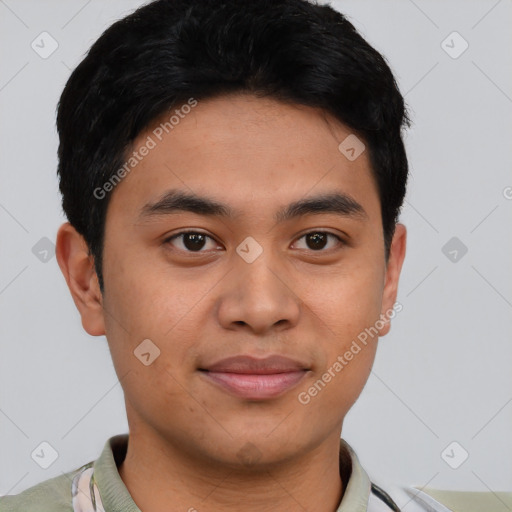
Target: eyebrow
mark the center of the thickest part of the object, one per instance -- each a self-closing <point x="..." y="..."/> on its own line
<point x="174" y="201"/>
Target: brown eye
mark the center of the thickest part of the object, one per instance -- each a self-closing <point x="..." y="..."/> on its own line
<point x="190" y="241"/>
<point x="318" y="240"/>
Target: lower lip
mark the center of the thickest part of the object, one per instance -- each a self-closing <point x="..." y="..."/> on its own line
<point x="256" y="387"/>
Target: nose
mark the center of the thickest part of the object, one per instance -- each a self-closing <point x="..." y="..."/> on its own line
<point x="258" y="297"/>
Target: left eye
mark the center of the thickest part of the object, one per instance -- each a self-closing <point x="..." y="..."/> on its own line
<point x="194" y="241"/>
<point x="317" y="240"/>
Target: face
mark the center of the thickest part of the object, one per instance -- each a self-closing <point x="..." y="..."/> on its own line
<point x="237" y="271"/>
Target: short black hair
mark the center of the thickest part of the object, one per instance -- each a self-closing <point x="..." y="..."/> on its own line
<point x="169" y="51"/>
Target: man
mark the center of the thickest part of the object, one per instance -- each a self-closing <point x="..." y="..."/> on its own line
<point x="232" y="173"/>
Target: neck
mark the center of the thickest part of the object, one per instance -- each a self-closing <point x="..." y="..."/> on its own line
<point x="159" y="475"/>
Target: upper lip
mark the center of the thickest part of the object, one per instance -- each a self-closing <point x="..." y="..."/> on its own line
<point x="251" y="365"/>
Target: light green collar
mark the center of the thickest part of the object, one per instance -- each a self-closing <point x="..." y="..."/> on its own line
<point x="116" y="498"/>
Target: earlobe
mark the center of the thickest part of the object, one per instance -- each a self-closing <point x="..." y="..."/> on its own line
<point x="393" y="269"/>
<point x="77" y="266"/>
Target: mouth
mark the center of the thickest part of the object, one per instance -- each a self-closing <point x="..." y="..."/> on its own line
<point x="255" y="379"/>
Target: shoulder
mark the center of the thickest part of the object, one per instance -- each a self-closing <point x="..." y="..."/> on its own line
<point x="469" y="501"/>
<point x="417" y="499"/>
<point x="52" y="495"/>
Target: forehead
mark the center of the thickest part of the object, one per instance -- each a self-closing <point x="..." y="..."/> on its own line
<point x="248" y="152"/>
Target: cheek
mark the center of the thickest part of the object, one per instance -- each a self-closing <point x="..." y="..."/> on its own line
<point x="170" y="309"/>
<point x="152" y="301"/>
<point x="346" y="303"/>
<point x="345" y="308"/>
<point x="344" y="316"/>
<point x="142" y="306"/>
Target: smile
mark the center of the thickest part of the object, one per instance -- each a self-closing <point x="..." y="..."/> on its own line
<point x="255" y="386"/>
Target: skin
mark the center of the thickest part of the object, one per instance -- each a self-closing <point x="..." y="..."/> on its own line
<point x="188" y="437"/>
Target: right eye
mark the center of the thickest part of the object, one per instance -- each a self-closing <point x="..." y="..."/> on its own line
<point x="190" y="241"/>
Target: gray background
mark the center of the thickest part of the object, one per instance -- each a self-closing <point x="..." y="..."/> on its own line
<point x="443" y="374"/>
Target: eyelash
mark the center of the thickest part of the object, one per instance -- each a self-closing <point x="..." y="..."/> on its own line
<point x="177" y="235"/>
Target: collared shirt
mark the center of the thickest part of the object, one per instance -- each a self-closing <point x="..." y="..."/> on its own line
<point x="98" y="487"/>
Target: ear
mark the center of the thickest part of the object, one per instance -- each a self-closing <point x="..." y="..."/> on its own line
<point x="393" y="268"/>
<point x="77" y="266"/>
